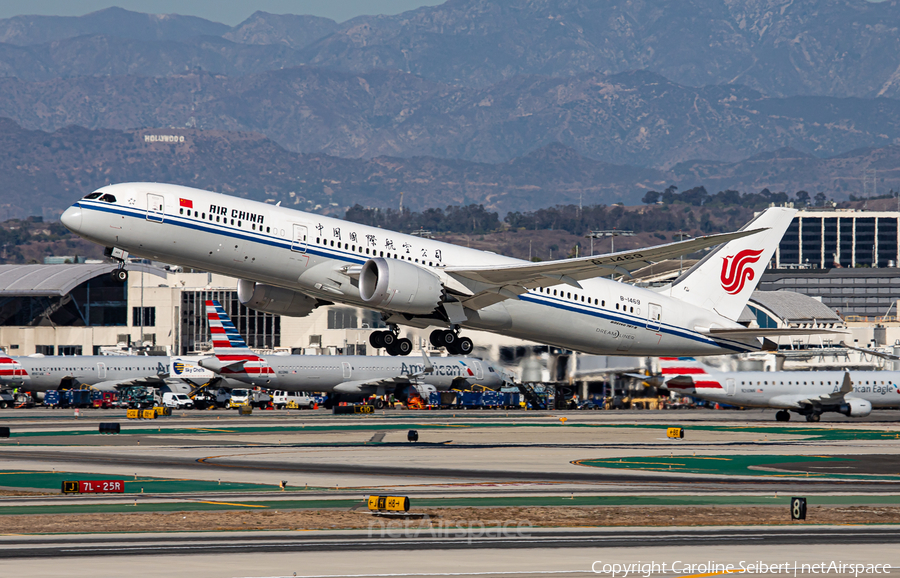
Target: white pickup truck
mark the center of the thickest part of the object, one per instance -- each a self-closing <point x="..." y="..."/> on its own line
<point x="283" y="399"/>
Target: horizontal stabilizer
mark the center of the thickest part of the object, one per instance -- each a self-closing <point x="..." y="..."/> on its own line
<point x="216" y="365"/>
<point x="880" y="354"/>
<point x="760" y="332"/>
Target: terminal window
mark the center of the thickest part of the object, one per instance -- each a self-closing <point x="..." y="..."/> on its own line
<point x="45" y="349"/>
<point x="342" y="318"/>
<point x="70" y="350"/>
<point x="143" y="316"/>
<point x="260" y="330"/>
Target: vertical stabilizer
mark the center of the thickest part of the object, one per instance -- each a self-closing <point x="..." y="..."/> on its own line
<point x="231" y="351"/>
<point x="724" y="280"/>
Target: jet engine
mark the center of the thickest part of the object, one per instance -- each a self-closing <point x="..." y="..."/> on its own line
<point x="856" y="408"/>
<point x="276" y="300"/>
<point x="399" y="286"/>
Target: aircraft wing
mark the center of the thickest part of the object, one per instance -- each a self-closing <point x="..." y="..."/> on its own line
<point x="510" y="281"/>
<point x="113" y="385"/>
<point x="837" y="396"/>
<point x="367" y="385"/>
<point x="363" y="385"/>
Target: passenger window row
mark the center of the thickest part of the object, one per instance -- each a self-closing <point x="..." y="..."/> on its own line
<point x="577" y="298"/>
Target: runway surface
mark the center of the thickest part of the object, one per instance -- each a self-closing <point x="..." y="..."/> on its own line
<point x="217" y="460"/>
<point x="398" y="472"/>
<point x="399" y="537"/>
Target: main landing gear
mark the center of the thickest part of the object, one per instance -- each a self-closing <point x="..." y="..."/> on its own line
<point x="391" y="341"/>
<point x="450" y="339"/>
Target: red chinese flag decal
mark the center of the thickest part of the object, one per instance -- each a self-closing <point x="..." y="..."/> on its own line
<point x="187" y="203"/>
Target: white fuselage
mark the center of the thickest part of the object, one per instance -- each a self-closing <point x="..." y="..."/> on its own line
<point x="322" y="373"/>
<point x="311" y="253"/>
<point x="791" y="389"/>
<point x="42" y="373"/>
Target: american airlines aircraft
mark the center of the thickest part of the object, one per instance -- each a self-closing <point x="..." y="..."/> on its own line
<point x="808" y="393"/>
<point x="290" y="262"/>
<point x="39" y="373"/>
<point x="338" y="375"/>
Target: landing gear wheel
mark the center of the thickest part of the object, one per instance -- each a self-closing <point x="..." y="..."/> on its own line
<point x="404" y="346"/>
<point x="435" y="338"/>
<point x="120" y="275"/>
<point x="813" y="417"/>
<point x="448" y="339"/>
<point x="464" y="346"/>
<point x="388" y="339"/>
<point x="783" y="415"/>
<point x="400" y="347"/>
<point x="376" y="339"/>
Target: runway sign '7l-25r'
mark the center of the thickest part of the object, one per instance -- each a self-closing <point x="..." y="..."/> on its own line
<point x="93" y="487"/>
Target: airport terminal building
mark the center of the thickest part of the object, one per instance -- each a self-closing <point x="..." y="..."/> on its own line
<point x="80" y="309"/>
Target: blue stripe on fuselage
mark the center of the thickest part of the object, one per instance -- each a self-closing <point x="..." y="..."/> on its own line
<point x="331" y="253"/>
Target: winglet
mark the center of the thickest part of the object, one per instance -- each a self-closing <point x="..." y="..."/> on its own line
<point x="847" y="385"/>
<point x="429" y="367"/>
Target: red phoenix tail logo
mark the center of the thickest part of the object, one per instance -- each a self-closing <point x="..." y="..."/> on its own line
<point x="736" y="271"/>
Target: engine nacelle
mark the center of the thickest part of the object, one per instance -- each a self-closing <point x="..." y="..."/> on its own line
<point x="399" y="286"/>
<point x="856" y="408"/>
<point x="276" y="300"/>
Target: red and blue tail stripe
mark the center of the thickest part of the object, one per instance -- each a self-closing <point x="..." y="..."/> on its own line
<point x="229" y="346"/>
<point x="224" y="334"/>
<point x="10" y="368"/>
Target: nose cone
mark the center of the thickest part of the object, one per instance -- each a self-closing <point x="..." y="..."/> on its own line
<point x="71" y="218"/>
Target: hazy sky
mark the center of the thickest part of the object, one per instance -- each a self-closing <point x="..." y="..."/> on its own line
<point x="226" y="11"/>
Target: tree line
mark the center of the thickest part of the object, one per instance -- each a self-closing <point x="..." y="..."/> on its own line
<point x="668" y="210"/>
<point x="699" y="197"/>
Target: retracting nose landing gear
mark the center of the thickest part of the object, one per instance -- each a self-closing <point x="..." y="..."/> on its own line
<point x="450" y="339"/>
<point x="120" y="256"/>
<point x="391" y="341"/>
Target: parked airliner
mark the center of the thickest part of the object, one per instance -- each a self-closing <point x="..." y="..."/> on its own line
<point x="341" y="376"/>
<point x="290" y="262"/>
<point x="39" y="373"/>
<point x="808" y="393"/>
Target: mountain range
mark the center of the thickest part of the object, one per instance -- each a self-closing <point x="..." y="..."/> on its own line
<point x="779" y="47"/>
<point x="511" y="103"/>
<point x="45" y="172"/>
<point x="636" y="118"/>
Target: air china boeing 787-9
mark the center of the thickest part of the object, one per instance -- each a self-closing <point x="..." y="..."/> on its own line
<point x="290" y="262"/>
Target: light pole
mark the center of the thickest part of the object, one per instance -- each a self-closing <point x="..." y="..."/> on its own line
<point x="612" y="234"/>
<point x="681" y="237"/>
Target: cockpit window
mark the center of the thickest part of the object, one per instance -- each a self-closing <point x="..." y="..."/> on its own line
<point x="93" y="195"/>
<point x="108" y="198"/>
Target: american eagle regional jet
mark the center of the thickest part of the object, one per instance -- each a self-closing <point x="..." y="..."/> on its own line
<point x="290" y="262"/>
<point x="808" y="393"/>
